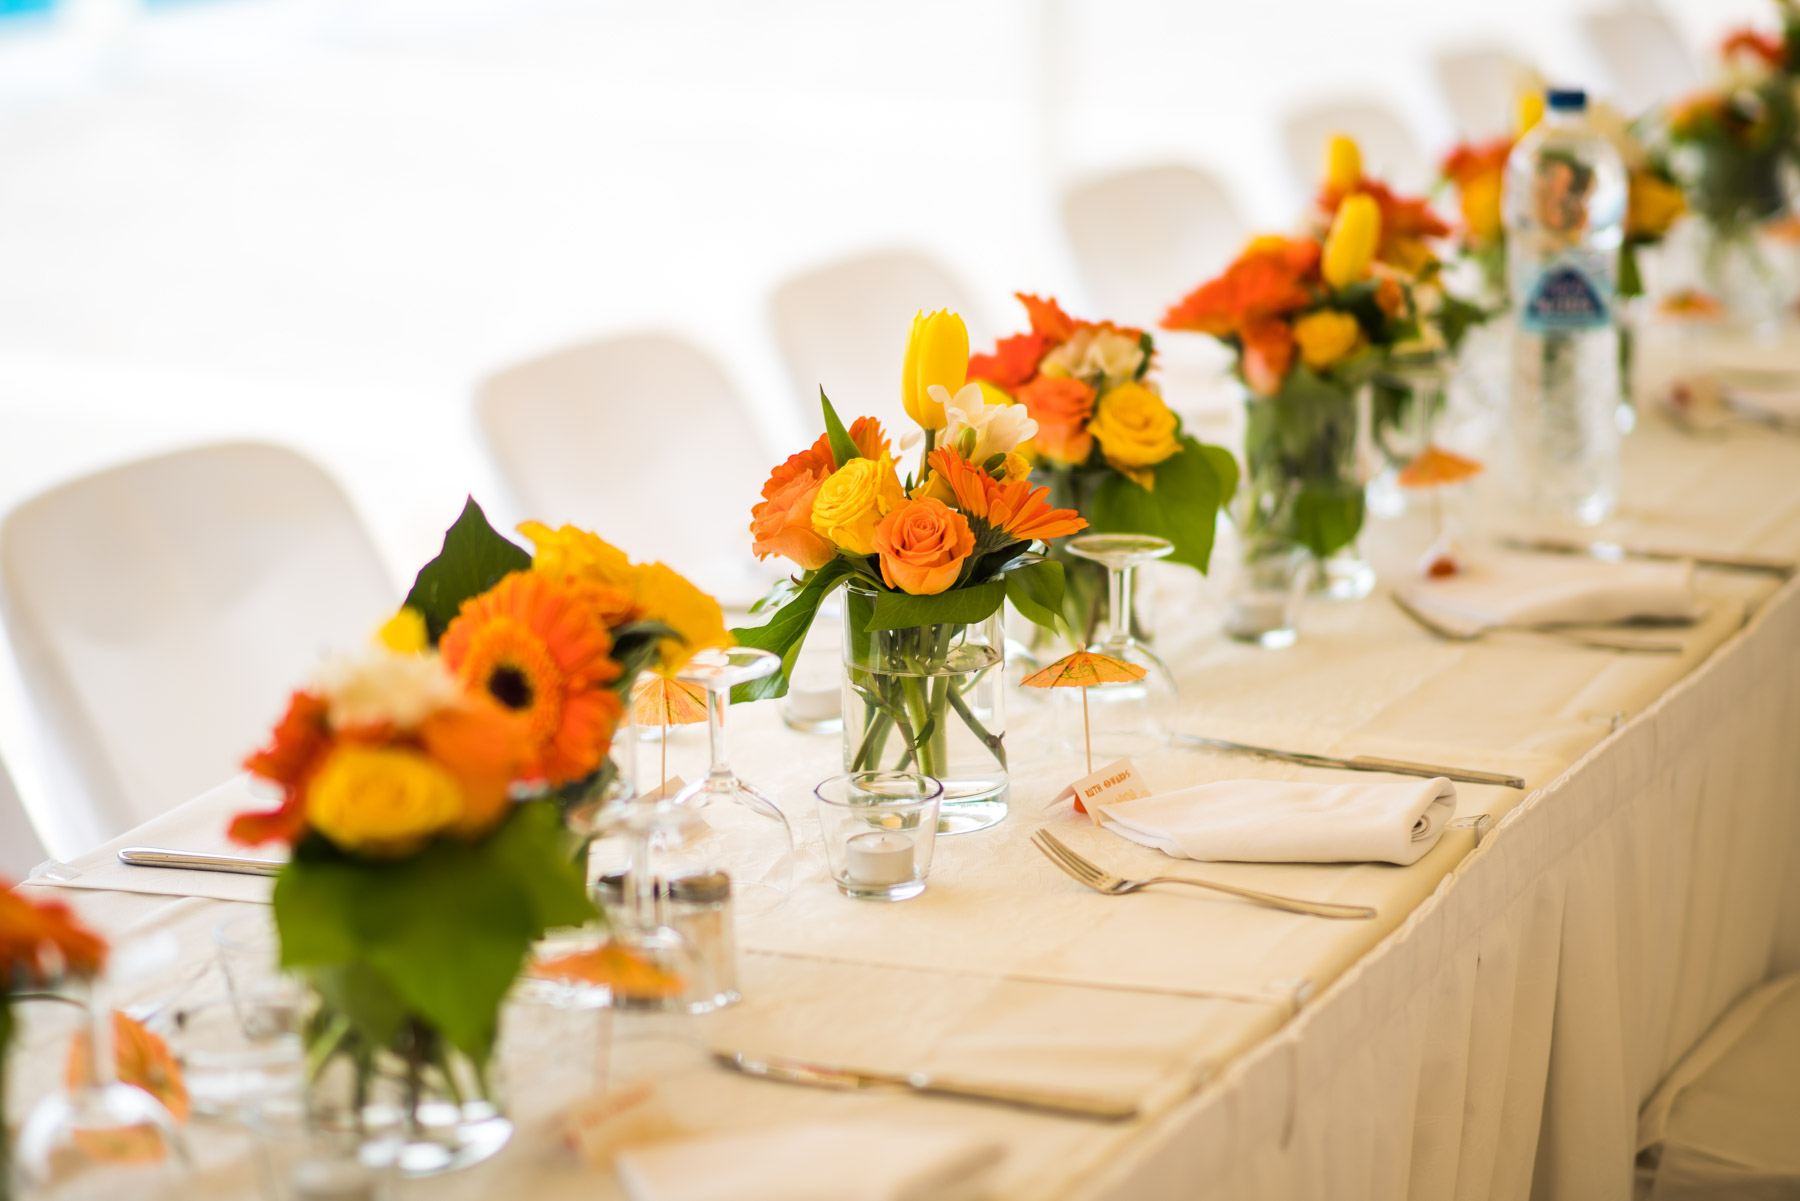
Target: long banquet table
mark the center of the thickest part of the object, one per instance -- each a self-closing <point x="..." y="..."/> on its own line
<point x="1491" y="1035"/>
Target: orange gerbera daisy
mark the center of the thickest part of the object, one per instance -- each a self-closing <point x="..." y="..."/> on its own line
<point x="296" y="749"/>
<point x="42" y="939"/>
<point x="1014" y="361"/>
<point x="1011" y="506"/>
<point x="141" y="1058"/>
<point x="533" y="646"/>
<point x="1270" y="279"/>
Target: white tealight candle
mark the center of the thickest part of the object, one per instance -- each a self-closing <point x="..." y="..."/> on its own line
<point x="878" y="858"/>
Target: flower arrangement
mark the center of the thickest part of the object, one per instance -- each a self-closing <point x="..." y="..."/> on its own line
<point x="40" y="944"/>
<point x="925" y="557"/>
<point x="430" y="787"/>
<point x="1732" y="140"/>
<point x="1106" y="445"/>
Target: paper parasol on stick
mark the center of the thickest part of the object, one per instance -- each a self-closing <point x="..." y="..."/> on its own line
<point x="1083" y="670"/>
<point x="614" y="966"/>
<point x="658" y="700"/>
<point x="1431" y="468"/>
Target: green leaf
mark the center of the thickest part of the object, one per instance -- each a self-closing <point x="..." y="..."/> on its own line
<point x="635" y="647"/>
<point x="843" y="449"/>
<point x="1183" y="507"/>
<point x="783" y="633"/>
<point x="441" y="935"/>
<point x="1327" y="518"/>
<point x="959" y="606"/>
<point x="1036" y="590"/>
<point x="1225" y="469"/>
<point x="475" y="558"/>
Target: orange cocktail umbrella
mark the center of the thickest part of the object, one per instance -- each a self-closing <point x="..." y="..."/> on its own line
<point x="1433" y="467"/>
<point x="611" y="965"/>
<point x="659" y="700"/>
<point x="1083" y="670"/>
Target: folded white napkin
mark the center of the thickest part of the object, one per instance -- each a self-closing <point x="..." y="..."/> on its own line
<point x="834" y="1161"/>
<point x="1280" y="821"/>
<point x="1504" y="589"/>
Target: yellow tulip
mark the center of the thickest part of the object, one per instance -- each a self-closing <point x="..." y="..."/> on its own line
<point x="1325" y="337"/>
<point x="937" y="352"/>
<point x="1343" y="163"/>
<point x="1355" y="234"/>
<point x="1531" y="110"/>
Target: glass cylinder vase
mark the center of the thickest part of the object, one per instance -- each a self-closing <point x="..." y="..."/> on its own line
<point x="1303" y="482"/>
<point x="928" y="699"/>
<point x="1405" y="402"/>
<point x="411" y="1100"/>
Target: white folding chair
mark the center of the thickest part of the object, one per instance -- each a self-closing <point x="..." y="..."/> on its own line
<point x="1145" y="238"/>
<point x="1722" y="1125"/>
<point x="1645" y="58"/>
<point x="1390" y="151"/>
<point x="643" y="439"/>
<point x="1482" y="85"/>
<point x="843" y="328"/>
<point x="20" y="847"/>
<point x="163" y="610"/>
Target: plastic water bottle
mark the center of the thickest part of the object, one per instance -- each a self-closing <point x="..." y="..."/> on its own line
<point x="1564" y="204"/>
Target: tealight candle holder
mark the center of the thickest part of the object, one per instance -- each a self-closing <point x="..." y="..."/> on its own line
<point x="879" y="829"/>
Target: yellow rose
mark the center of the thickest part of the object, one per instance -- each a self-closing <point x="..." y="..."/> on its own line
<point x="1325" y="337"/>
<point x="1654" y="205"/>
<point x="383" y="802"/>
<point x="1350" y="247"/>
<point x="1135" y="430"/>
<point x="937" y="352"/>
<point x="404" y="632"/>
<point x="853" y="499"/>
<point x="1343" y="164"/>
<point x="665" y="595"/>
<point x="575" y="552"/>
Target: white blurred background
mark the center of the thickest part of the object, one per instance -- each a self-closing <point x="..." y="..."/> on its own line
<point x="321" y="222"/>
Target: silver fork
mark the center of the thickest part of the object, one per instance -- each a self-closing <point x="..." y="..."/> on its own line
<point x="1086" y="872"/>
<point x="1604" y="642"/>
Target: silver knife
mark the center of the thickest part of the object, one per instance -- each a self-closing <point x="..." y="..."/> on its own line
<point x="794" y="1071"/>
<point x="194" y="861"/>
<point x="1399" y="767"/>
<point x="1614" y="551"/>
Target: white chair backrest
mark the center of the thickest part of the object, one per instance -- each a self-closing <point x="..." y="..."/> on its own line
<point x="1645" y="58"/>
<point x="1482" y="85"/>
<point x="162" y="612"/>
<point x="642" y="439"/>
<point x="1390" y="151"/>
<point x="843" y="328"/>
<point x="1143" y="239"/>
<point x="20" y="847"/>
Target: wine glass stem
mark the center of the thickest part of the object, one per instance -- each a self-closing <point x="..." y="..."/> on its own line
<point x="1118" y="607"/>
<point x="717" y="701"/>
<point x="640" y="880"/>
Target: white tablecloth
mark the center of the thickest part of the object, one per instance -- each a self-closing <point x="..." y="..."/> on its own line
<point x="1493" y="1032"/>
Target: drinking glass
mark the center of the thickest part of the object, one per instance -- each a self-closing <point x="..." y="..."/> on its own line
<point x="734" y="827"/>
<point x="879" y="829"/>
<point x="1136" y="716"/>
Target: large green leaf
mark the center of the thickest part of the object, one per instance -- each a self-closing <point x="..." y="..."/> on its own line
<point x="475" y="558"/>
<point x="843" y="448"/>
<point x="444" y="932"/>
<point x="1183" y="507"/>
<point x="784" y="632"/>
<point x="959" y="606"/>
<point x="1327" y="518"/>
<point x="1036" y="590"/>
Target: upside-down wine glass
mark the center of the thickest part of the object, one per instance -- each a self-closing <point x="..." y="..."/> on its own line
<point x="1136" y="716"/>
<point x="736" y="829"/>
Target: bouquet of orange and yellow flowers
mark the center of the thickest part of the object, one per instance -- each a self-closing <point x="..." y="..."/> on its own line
<point x="431" y="787"/>
<point x="926" y="554"/>
<point x="1107" y="446"/>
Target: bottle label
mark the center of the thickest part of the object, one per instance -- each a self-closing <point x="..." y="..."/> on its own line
<point x="1567" y="297"/>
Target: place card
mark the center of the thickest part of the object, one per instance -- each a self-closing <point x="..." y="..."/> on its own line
<point x="670" y="787"/>
<point x="635" y="1115"/>
<point x="1117" y="781"/>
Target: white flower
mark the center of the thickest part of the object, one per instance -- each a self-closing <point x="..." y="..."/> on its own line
<point x="381" y="687"/>
<point x="1612" y="125"/>
<point x="1099" y="356"/>
<point x="993" y="429"/>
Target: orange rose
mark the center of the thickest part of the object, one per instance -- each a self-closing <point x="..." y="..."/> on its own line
<point x="782" y="525"/>
<point x="1061" y="407"/>
<point x="922" y="545"/>
<point x="1268" y="353"/>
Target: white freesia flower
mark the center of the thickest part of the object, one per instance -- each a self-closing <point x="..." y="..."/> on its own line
<point x="1100" y="356"/>
<point x="381" y="687"/>
<point x="997" y="428"/>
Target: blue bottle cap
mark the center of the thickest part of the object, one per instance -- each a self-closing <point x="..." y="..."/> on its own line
<point x="1565" y="100"/>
